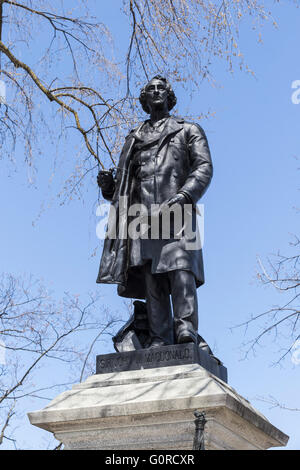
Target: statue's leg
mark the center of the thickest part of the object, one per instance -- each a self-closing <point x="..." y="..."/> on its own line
<point x="158" y="307"/>
<point x="185" y="305"/>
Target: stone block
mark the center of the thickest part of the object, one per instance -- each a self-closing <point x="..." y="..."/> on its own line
<point x="154" y="409"/>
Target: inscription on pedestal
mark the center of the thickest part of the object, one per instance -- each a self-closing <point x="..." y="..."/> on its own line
<point x="164" y="356"/>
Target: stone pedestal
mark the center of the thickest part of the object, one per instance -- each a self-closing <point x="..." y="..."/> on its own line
<point x="154" y="409"/>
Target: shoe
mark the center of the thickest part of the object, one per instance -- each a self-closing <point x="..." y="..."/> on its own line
<point x="185" y="337"/>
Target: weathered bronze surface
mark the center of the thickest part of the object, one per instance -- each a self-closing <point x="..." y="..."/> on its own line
<point x="165" y="161"/>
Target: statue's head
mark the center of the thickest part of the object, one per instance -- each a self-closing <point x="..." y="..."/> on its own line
<point x="167" y="93"/>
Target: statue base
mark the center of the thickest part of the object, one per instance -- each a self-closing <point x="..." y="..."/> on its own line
<point x="173" y="355"/>
<point x="154" y="409"/>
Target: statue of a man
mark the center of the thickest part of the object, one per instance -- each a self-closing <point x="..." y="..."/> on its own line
<point x="165" y="161"/>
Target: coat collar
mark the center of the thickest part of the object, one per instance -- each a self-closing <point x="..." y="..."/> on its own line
<point x="172" y="126"/>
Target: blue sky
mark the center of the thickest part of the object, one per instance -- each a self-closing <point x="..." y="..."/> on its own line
<point x="249" y="212"/>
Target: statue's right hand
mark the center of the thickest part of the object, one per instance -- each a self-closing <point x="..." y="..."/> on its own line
<point x="105" y="180"/>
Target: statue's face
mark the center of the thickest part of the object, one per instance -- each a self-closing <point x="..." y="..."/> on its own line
<point x="156" y="94"/>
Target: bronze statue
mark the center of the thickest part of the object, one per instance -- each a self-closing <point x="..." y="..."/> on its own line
<point x="165" y="161"/>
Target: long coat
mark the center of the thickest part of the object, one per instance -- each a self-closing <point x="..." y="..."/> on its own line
<point x="183" y="163"/>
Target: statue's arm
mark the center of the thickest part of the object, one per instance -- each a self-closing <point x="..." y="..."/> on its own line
<point x="201" y="166"/>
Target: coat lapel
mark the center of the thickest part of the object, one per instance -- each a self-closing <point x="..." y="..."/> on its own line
<point x="172" y="126"/>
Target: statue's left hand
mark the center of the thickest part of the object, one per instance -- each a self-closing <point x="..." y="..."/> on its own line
<point x="178" y="199"/>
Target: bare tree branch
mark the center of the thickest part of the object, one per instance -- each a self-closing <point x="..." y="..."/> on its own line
<point x="283" y="275"/>
<point x="35" y="329"/>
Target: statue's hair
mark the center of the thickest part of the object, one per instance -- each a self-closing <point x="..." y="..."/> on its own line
<point x="172" y="100"/>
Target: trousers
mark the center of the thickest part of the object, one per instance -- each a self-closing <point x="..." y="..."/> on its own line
<point x="181" y="286"/>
